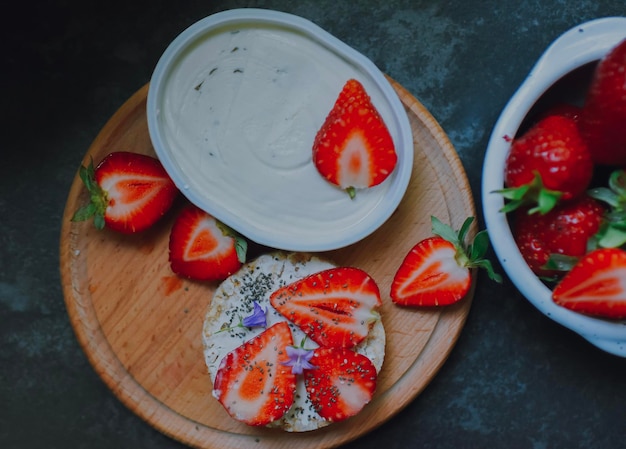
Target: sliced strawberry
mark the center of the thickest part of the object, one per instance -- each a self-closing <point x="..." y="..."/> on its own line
<point x="436" y="272"/>
<point x="129" y="192"/>
<point x="335" y="307"/>
<point x="341" y="383"/>
<point x="202" y="248"/>
<point x="252" y="382"/>
<point x="353" y="149"/>
<point x="604" y="112"/>
<point x="596" y="285"/>
<point x="430" y="275"/>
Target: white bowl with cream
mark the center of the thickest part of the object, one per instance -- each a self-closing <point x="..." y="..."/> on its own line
<point x="233" y="107"/>
<point x="581" y="45"/>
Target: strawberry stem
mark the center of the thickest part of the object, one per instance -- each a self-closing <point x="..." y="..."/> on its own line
<point x="467" y="255"/>
<point x="98" y="201"/>
<point x="533" y="194"/>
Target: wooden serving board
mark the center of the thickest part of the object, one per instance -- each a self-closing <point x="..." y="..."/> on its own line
<point x="140" y="325"/>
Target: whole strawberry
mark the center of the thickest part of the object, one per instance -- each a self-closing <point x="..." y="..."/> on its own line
<point x="548" y="163"/>
<point x="604" y="113"/>
<point x="128" y="192"/>
<point x="564" y="231"/>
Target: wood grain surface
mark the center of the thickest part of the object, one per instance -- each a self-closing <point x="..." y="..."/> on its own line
<point x="140" y="325"/>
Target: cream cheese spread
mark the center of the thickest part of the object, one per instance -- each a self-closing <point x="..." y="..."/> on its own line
<point x="240" y="110"/>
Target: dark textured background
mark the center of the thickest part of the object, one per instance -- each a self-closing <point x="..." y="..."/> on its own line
<point x="514" y="380"/>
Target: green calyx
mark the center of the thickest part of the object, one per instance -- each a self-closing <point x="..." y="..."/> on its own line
<point x="470" y="255"/>
<point x="612" y="233"/>
<point x="98" y="201"/>
<point x="241" y="244"/>
<point x="534" y="194"/>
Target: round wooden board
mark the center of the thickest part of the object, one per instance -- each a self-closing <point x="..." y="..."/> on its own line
<point x="140" y="325"/>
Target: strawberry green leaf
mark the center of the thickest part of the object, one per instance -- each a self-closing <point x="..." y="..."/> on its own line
<point x="465" y="228"/>
<point x="241" y="244"/>
<point x="485" y="264"/>
<point x="84" y="213"/>
<point x="97" y="198"/>
<point x="514" y="193"/>
<point x="560" y="262"/>
<point x="98" y="221"/>
<point x="478" y="248"/>
<point x="612" y="233"/>
<point x="241" y="247"/>
<point x="534" y="194"/>
<point x="546" y="200"/>
<point x="445" y="231"/>
<point x="470" y="255"/>
<point x="605" y="195"/>
<point x="612" y="237"/>
<point x="617" y="183"/>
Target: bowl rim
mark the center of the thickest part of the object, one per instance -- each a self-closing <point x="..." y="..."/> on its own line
<point x="580" y="45"/>
<point x="404" y="142"/>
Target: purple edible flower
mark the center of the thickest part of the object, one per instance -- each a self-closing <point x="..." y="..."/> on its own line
<point x="299" y="359"/>
<point x="257" y="318"/>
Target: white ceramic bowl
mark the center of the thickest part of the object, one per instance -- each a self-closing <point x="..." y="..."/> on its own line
<point x="233" y="107"/>
<point x="574" y="49"/>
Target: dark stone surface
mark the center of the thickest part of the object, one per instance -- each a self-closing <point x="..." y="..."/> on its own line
<point x="514" y="380"/>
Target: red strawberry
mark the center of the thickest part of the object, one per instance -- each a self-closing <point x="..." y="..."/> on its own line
<point x="353" y="149"/>
<point x="596" y="285"/>
<point x="565" y="230"/>
<point x="202" y="248"/>
<point x="604" y="112"/>
<point x="252" y="382"/>
<point x="436" y="272"/>
<point x="129" y="192"/>
<point x="341" y="383"/>
<point x="547" y="163"/>
<point x="335" y="307"/>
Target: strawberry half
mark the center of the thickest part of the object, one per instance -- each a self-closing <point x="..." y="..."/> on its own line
<point x="436" y="272"/>
<point x="335" y="307"/>
<point x="202" y="248"/>
<point x="604" y="112"/>
<point x="353" y="148"/>
<point x="341" y="383"/>
<point x="549" y="162"/>
<point x="252" y="382"/>
<point x="129" y="192"/>
<point x="596" y="285"/>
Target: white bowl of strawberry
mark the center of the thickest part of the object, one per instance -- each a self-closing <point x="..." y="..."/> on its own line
<point x="279" y="130"/>
<point x="554" y="184"/>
